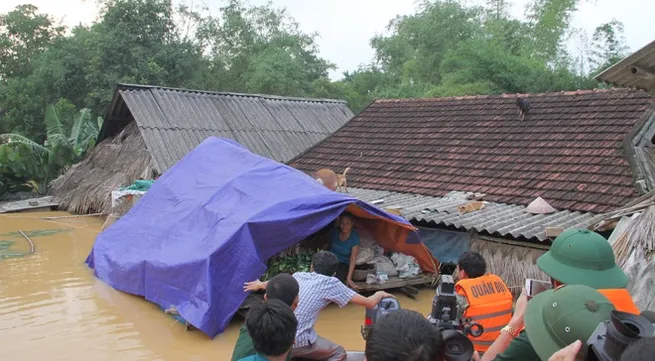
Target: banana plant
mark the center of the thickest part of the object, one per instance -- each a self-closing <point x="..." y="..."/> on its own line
<point x="68" y="149"/>
<point x="36" y="164"/>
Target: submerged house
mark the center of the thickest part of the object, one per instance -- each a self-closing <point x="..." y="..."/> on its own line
<point x="466" y="169"/>
<point x="147" y="129"/>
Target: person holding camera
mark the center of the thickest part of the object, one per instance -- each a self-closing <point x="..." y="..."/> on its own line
<point x="484" y="298"/>
<point x="642" y="349"/>
<point x="404" y="335"/>
<point x="554" y="319"/>
<point x="579" y="257"/>
<point x="583" y="257"/>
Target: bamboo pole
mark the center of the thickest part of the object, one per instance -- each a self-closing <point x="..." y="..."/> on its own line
<point x="73" y="216"/>
<point x="29" y="240"/>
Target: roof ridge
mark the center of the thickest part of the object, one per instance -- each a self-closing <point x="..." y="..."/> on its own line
<point x="125" y="86"/>
<point x="512" y="95"/>
<point x="233" y="130"/>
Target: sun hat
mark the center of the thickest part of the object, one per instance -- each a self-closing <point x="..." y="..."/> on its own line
<point x="557" y="318"/>
<point x="582" y="257"/>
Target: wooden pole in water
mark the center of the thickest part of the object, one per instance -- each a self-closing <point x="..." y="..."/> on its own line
<point x="29" y="240"/>
<point x="73" y="216"/>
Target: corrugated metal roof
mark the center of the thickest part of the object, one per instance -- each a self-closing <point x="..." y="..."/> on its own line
<point x="24" y="205"/>
<point x="495" y="218"/>
<point x="633" y="70"/>
<point x="174" y="121"/>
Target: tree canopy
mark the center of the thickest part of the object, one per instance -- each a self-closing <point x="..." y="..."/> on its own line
<point x="445" y="48"/>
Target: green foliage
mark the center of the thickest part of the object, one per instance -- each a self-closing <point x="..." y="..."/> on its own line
<point x="299" y="262"/>
<point x="37" y="233"/>
<point x="608" y="46"/>
<point x="5" y="252"/>
<point x="24" y="35"/>
<point x="24" y="162"/>
<point x="450" y="49"/>
<point x="446" y="48"/>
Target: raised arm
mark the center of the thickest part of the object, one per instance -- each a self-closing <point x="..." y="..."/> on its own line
<point x="254" y="286"/>
<point x="371" y="301"/>
<point x="351" y="267"/>
<point x="505" y="338"/>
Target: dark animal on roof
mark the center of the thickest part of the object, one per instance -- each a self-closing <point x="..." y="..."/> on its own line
<point x="523" y="106"/>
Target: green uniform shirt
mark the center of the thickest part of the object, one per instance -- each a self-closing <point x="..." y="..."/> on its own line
<point x="244" y="348"/>
<point x="519" y="349"/>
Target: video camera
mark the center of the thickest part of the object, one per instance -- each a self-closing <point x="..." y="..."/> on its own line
<point x="443" y="316"/>
<point x="453" y="331"/>
<point x="612" y="337"/>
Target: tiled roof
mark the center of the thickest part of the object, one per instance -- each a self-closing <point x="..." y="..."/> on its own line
<point x="174" y="121"/>
<point x="568" y="150"/>
<point x="497" y="219"/>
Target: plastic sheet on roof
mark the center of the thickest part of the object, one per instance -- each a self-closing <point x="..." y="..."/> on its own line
<point x="446" y="246"/>
<point x="211" y="222"/>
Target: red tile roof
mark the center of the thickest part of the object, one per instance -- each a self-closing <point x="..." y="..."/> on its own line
<point x="568" y="149"/>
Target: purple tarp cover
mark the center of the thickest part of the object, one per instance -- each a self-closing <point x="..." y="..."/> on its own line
<point x="208" y="225"/>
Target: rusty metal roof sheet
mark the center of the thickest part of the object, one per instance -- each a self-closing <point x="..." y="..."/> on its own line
<point x="498" y="219"/>
<point x="634" y="71"/>
<point x="174" y="121"/>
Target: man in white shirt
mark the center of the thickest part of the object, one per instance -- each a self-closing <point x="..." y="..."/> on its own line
<point x="319" y="288"/>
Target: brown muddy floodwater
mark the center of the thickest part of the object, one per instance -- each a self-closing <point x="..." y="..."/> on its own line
<point x="52" y="308"/>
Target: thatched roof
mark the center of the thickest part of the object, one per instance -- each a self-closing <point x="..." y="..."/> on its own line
<point x="510" y="261"/>
<point x="632" y="241"/>
<point x="171" y="122"/>
<point x="115" y="162"/>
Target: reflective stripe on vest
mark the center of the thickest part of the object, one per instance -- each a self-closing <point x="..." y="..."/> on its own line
<point x="621" y="300"/>
<point x="490" y="305"/>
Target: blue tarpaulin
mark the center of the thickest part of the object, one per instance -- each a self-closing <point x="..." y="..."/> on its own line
<point x="447" y="246"/>
<point x="211" y="222"/>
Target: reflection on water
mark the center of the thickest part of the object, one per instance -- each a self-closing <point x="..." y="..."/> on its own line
<point x="52" y="308"/>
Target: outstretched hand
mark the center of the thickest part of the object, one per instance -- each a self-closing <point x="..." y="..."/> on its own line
<point x="352" y="284"/>
<point x="568" y="353"/>
<point x="252" y="286"/>
<point x="519" y="310"/>
<point x="383" y="294"/>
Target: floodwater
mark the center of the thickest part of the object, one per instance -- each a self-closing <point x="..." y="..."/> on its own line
<point x="52" y="308"/>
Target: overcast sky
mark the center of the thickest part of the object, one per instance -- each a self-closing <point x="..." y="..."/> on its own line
<point x="346" y="26"/>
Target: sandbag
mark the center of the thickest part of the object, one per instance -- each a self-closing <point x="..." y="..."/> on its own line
<point x="384" y="265"/>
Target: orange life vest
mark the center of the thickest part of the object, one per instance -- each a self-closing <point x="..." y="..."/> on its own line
<point x="621" y="299"/>
<point x="490" y="305"/>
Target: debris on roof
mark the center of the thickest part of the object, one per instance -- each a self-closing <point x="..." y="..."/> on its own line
<point x="496" y="219"/>
<point x="539" y="206"/>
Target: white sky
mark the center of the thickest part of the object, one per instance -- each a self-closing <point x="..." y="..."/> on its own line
<point x="346" y="26"/>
